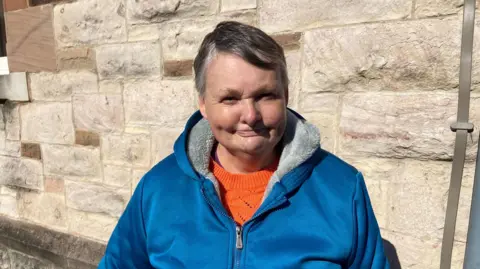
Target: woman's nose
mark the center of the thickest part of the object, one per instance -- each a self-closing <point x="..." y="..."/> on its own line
<point x="250" y="113"/>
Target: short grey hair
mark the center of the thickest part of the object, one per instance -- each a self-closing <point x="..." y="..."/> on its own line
<point x="245" y="41"/>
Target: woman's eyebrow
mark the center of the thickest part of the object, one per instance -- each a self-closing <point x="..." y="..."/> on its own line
<point x="229" y="91"/>
<point x="236" y="92"/>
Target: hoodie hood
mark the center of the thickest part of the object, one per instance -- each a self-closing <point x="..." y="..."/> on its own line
<point x="300" y="140"/>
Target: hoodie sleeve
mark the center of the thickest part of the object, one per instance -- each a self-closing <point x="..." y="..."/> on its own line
<point x="368" y="249"/>
<point x="127" y="246"/>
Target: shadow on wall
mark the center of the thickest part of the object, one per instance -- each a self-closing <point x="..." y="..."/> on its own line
<point x="391" y="254"/>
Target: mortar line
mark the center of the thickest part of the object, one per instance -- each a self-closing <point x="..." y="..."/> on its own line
<point x="412" y="12"/>
<point x="333" y="26"/>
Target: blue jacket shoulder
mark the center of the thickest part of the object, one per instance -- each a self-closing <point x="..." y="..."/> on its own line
<point x="163" y="174"/>
<point x="334" y="172"/>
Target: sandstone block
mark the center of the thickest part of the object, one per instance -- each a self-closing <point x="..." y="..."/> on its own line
<point x="5" y="262"/>
<point x="54" y="185"/>
<point x="3" y="139"/>
<point x="31" y="150"/>
<point x="178" y="68"/>
<point x="432" y="8"/>
<point x="76" y="58"/>
<point x="378" y="169"/>
<point x="145" y="11"/>
<point x="9" y="191"/>
<point x="11" y="114"/>
<point x="415" y="200"/>
<point x="99" y="112"/>
<point x="47" y="122"/>
<point x="72" y="161"/>
<point x="463" y="215"/>
<point x="289" y="41"/>
<point x="111" y="60"/>
<point x="321" y="110"/>
<point x="137" y="129"/>
<point x="319" y="102"/>
<point x="425" y="185"/>
<point x="119" y="176"/>
<point x="86" y="138"/>
<point x="111" y="86"/>
<point x="378" y="193"/>
<point x="8" y="204"/>
<point x="144" y="59"/>
<point x="181" y="39"/>
<point x="293" y="59"/>
<point x="131" y="59"/>
<point x="400" y="56"/>
<point x="278" y="16"/>
<point x="45" y="208"/>
<point x="126" y="149"/>
<point x="95" y="198"/>
<point x="143" y="32"/>
<point x="232" y="5"/>
<point x="328" y="127"/>
<point x="11" y="148"/>
<point x="150" y="102"/>
<point x="417" y="209"/>
<point x="163" y="141"/>
<point x="93" y="225"/>
<point x="2" y="123"/>
<point x="421" y="253"/>
<point x="137" y="175"/>
<point x="21" y="260"/>
<point x="60" y="86"/>
<point x="475" y="118"/>
<point x="89" y="22"/>
<point x="410" y="126"/>
<point x="25" y="173"/>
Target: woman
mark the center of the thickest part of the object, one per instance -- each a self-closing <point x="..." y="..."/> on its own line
<point x="248" y="185"/>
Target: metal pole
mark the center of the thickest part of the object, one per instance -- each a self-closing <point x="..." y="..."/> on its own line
<point x="472" y="252"/>
<point x="462" y="127"/>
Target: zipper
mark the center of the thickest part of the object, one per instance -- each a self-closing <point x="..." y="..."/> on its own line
<point x="238" y="233"/>
<point x="239" y="241"/>
<point x="239" y="228"/>
<point x="239" y="246"/>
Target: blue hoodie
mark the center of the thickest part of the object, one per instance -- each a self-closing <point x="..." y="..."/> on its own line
<point x="316" y="212"/>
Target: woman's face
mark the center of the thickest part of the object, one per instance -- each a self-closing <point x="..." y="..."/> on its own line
<point x="245" y="106"/>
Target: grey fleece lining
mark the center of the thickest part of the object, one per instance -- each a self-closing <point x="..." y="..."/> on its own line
<point x="299" y="142"/>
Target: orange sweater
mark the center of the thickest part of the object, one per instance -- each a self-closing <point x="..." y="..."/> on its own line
<point x="242" y="193"/>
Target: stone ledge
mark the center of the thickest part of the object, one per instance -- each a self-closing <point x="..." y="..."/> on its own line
<point x="61" y="249"/>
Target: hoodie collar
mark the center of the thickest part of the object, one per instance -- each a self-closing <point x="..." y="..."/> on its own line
<point x="193" y="148"/>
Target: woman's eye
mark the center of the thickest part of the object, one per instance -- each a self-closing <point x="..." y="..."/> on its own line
<point x="229" y="100"/>
<point x="267" y="96"/>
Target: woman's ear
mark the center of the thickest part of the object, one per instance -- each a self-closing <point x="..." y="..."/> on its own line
<point x="201" y="105"/>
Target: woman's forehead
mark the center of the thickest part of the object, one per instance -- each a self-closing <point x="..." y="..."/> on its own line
<point x="232" y="73"/>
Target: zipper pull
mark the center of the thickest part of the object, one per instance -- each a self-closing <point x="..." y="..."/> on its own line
<point x="239" y="243"/>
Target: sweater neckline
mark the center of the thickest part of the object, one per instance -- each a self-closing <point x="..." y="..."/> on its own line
<point x="242" y="181"/>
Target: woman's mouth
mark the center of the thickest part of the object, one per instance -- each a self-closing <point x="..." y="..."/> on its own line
<point x="252" y="132"/>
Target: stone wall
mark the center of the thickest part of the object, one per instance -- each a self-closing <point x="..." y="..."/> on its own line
<point x="111" y="87"/>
